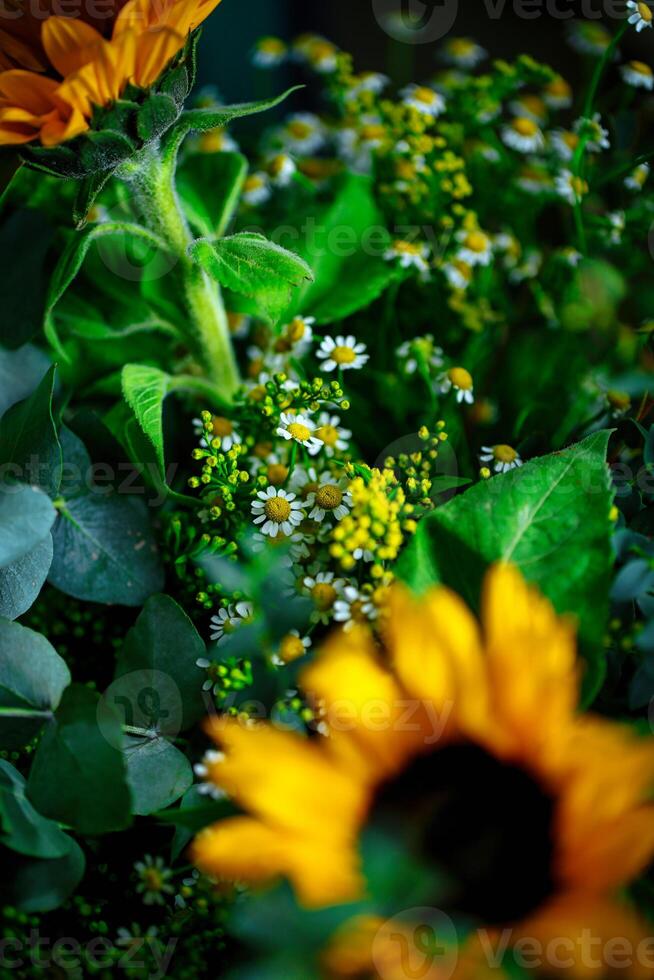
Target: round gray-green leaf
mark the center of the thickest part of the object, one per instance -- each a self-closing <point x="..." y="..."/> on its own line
<point x="26" y="516"/>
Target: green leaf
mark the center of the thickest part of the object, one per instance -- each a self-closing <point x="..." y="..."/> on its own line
<point x="104" y="550"/>
<point x="225" y="173"/>
<point x="26" y="516"/>
<point x="25" y="240"/>
<point x="252" y="265"/>
<point x="78" y="774"/>
<point x="161" y="651"/>
<point x="21" y="582"/>
<point x="20" y="372"/>
<point x="155" y="116"/>
<point x="33" y="678"/>
<point x="37" y="885"/>
<point x="28" y="439"/>
<point x="144" y="389"/>
<point x="22" y="828"/>
<point x="551" y="519"/>
<point x="158" y="774"/>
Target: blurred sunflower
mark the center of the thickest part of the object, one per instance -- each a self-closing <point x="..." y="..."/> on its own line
<point x="55" y="70"/>
<point x="479" y="762"/>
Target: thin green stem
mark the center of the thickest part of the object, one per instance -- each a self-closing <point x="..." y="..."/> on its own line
<point x="152" y="183"/>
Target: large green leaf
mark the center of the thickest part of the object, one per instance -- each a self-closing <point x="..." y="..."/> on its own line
<point x="26" y="516"/>
<point x="160" y="652"/>
<point x="158" y="774"/>
<point x="25" y="239"/>
<point x="255" y="267"/>
<point x="551" y="519"/>
<point x="211" y="213"/>
<point x="144" y="389"/>
<point x="78" y="774"/>
<point x="33" y="678"/>
<point x="40" y="885"/>
<point x="20" y="372"/>
<point x="22" y="828"/>
<point x="22" y="580"/>
<point x="28" y="439"/>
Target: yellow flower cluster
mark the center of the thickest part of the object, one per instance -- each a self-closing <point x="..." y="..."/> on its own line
<point x="376" y="527"/>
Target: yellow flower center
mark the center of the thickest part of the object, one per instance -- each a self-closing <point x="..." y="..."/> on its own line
<point x="253" y="183"/>
<point x="296" y="330"/>
<point x="579" y="186"/>
<point x="460" y="378"/>
<point x="372" y="132"/>
<point x="276" y="165"/>
<point x="270" y="45"/>
<point x="291" y="648"/>
<point x="571" y="140"/>
<point x="641" y="68"/>
<point x="645" y="12"/>
<point x="525" y="127"/>
<point x="235" y="321"/>
<point x="299" y="130"/>
<point x="277" y="509"/>
<point x="504" y="454"/>
<point x="343" y="355"/>
<point x="221" y="427"/>
<point x="324" y="595"/>
<point x="328" y="434"/>
<point x="321" y="50"/>
<point x="153" y="880"/>
<point x="559" y="88"/>
<point x="329" y="497"/>
<point x="277" y="474"/>
<point x="424" y="95"/>
<point x="533" y="104"/>
<point x="299" y="432"/>
<point x="406" y="248"/>
<point x="461" y="46"/>
<point x="476" y="241"/>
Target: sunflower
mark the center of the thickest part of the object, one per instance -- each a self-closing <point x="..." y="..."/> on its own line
<point x="56" y="70"/>
<point x="464" y="742"/>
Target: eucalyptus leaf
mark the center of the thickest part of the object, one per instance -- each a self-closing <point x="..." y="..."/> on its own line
<point x="22" y="828"/>
<point x="26" y="516"/>
<point x="40" y="885"/>
<point x="28" y="439"/>
<point x="20" y="372"/>
<point x="158" y="773"/>
<point x="22" y="580"/>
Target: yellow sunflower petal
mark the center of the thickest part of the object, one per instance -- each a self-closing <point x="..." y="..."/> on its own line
<point x="154" y="50"/>
<point x="25" y="90"/>
<point x="69" y="43"/>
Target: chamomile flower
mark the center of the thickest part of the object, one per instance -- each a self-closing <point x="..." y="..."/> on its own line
<point x="571" y="188"/>
<point x="228" y="619"/>
<point x="291" y="647"/>
<point x="323" y="589"/>
<point x="475" y="247"/>
<point x="596" y="136"/>
<point x="281" y="169"/>
<point x="303" y="133"/>
<point x="529" y="107"/>
<point x="298" y="334"/>
<point x="269" y="52"/>
<point x="617" y="224"/>
<point x="463" y="52"/>
<point x="564" y="143"/>
<point x="342" y="353"/>
<point x="256" y="189"/>
<point x="533" y="179"/>
<point x="638" y="74"/>
<point x="154" y="880"/>
<point x="557" y="94"/>
<point x="589" y="37"/>
<point x="353" y="607"/>
<point x="637" y="178"/>
<point x="334" y="436"/>
<point x="641" y="14"/>
<point x="329" y="497"/>
<point x="277" y="511"/>
<point x="202" y="770"/>
<point x="460" y="380"/>
<point x="458" y="273"/>
<point x="371" y="81"/>
<point x="409" y="254"/>
<point x="425" y="100"/>
<point x="523" y="134"/>
<point x="219" y="433"/>
<point x="300" y="429"/>
<point x="322" y="56"/>
<point x="421" y="351"/>
<point x="503" y="457"/>
<point x="217" y="141"/>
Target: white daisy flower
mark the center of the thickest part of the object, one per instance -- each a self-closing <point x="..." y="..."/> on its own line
<point x="463" y="52"/>
<point x="409" y="254"/>
<point x="638" y="74"/>
<point x="223" y="435"/>
<point x="342" y="352"/>
<point x="203" y="771"/>
<point x="476" y="248"/>
<point x="353" y="607"/>
<point x="322" y="56"/>
<point x="524" y="135"/>
<point x="529" y="107"/>
<point x="256" y="189"/>
<point x="458" y="273"/>
<point x="329" y="497"/>
<point x="569" y="187"/>
<point x="303" y="133"/>
<point x="281" y="169"/>
<point x="371" y="81"/>
<point x="299" y="334"/>
<point x="291" y="647"/>
<point x="323" y="589"/>
<point x="425" y="100"/>
<point x="528" y="268"/>
<point x="533" y="179"/>
<point x="558" y="94"/>
<point x="460" y="380"/>
<point x="154" y="880"/>
<point x="300" y="429"/>
<point x="228" y="619"/>
<point x="420" y="350"/>
<point x="641" y="16"/>
<point x="277" y="511"/>
<point x="597" y="137"/>
<point x="589" y="37"/>
<point x="504" y="458"/>
<point x="637" y="178"/>
<point x="269" y="52"/>
<point x="334" y="436"/>
<point x="216" y="141"/>
<point x="563" y="143"/>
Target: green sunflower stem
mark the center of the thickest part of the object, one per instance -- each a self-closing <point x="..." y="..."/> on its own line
<point x="152" y="184"/>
